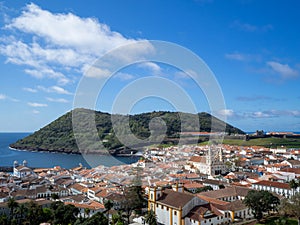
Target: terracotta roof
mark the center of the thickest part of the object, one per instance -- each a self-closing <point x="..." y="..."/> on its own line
<point x="193" y="185"/>
<point x="226" y="192"/>
<point x="198" y="212"/>
<point x="273" y="184"/>
<point x="291" y="170"/>
<point x="236" y="205"/>
<point x="78" y="187"/>
<point x="294" y="162"/>
<point x="192" y="175"/>
<point x="93" y="205"/>
<point x="198" y="159"/>
<point x="214" y="201"/>
<point x="175" y="199"/>
<point x="102" y="193"/>
<point x="23" y="168"/>
<point x="214" y="182"/>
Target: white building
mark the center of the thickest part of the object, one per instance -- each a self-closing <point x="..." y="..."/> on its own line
<point x="279" y="188"/>
<point x="211" y="164"/>
<point x="229" y="201"/>
<point x="175" y="207"/>
<point x="21" y="170"/>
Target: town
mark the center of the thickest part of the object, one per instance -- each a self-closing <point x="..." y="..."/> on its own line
<point x="184" y="185"/>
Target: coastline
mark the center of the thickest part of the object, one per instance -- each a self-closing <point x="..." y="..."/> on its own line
<point x="93" y="152"/>
<point x="43" y="151"/>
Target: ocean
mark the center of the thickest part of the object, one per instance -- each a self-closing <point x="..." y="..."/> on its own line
<point x="46" y="159"/>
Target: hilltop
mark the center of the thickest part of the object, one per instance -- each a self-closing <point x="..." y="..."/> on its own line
<point x="58" y="136"/>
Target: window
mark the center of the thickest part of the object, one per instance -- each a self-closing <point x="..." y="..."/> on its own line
<point x="175" y="213"/>
<point x="167" y="208"/>
<point x="162" y="207"/>
<point x="151" y="196"/>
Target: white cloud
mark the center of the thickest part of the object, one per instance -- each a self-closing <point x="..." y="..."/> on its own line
<point x="5" y="97"/>
<point x="250" y="27"/>
<point x="258" y="98"/>
<point x="96" y="72"/>
<point x="59" y="90"/>
<point x="236" y="56"/>
<point x="62" y="43"/>
<point x="54" y="89"/>
<point x="35" y="104"/>
<point x="153" y="67"/>
<point x="49" y="73"/>
<point x="68" y="30"/>
<point x="30" y="90"/>
<point x="2" y="97"/>
<point x="124" y="76"/>
<point x="35" y="111"/>
<point x="59" y="100"/>
<point x="226" y="112"/>
<point x="273" y="113"/>
<point x="284" y="70"/>
<point x="261" y="115"/>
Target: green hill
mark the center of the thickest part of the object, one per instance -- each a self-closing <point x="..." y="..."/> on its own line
<point x="58" y="136"/>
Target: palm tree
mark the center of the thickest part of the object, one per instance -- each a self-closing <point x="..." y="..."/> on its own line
<point x="20" y="211"/>
<point x="33" y="213"/>
<point x="150" y="218"/>
<point x="11" y="204"/>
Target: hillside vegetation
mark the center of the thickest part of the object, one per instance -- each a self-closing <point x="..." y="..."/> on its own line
<point x="58" y="136"/>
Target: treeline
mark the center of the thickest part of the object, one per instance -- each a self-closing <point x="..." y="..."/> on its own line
<point x="59" y="135"/>
<point x="31" y="213"/>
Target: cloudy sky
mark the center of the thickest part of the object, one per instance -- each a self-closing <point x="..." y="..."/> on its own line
<point x="252" y="48"/>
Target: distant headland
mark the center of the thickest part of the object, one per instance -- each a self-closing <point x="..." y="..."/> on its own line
<point x="58" y="136"/>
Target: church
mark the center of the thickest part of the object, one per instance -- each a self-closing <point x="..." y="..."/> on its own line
<point x="21" y="170"/>
<point x="210" y="164"/>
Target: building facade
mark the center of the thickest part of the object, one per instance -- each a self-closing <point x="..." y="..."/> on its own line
<point x="211" y="164"/>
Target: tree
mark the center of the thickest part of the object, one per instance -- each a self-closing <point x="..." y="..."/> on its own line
<point x="294" y="185"/>
<point x="87" y="212"/>
<point x="117" y="219"/>
<point x="291" y="206"/>
<point x="47" y="214"/>
<point x="34" y="213"/>
<point x="97" y="219"/>
<point x="20" y="211"/>
<point x="11" y="204"/>
<point x="64" y="214"/>
<point x="260" y="202"/>
<point x="150" y="218"/>
<point x="54" y="196"/>
<point x="204" y="189"/>
<point x="3" y="219"/>
<point x="108" y="206"/>
<point x="133" y="195"/>
<point x="70" y="214"/>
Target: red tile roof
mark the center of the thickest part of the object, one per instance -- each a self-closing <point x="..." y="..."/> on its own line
<point x="273" y="184"/>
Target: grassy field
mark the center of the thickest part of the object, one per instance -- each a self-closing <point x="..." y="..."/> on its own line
<point x="265" y="142"/>
<point x="279" y="221"/>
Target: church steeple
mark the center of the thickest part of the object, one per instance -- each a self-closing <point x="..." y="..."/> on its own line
<point x="209" y="156"/>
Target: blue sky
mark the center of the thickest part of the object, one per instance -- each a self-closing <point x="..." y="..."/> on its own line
<point x="251" y="46"/>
